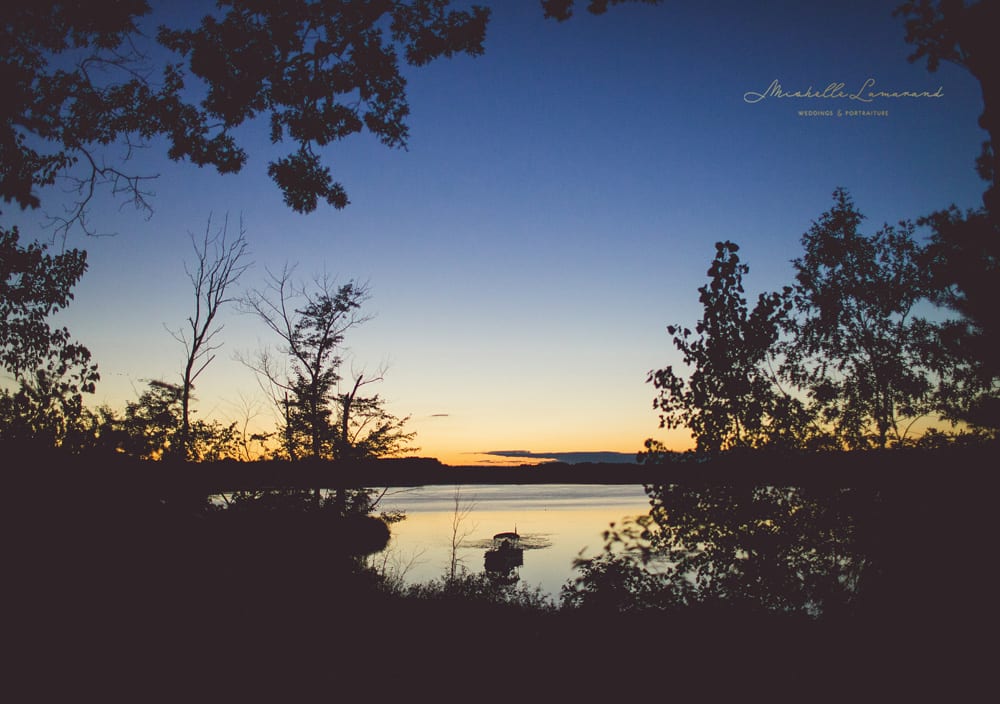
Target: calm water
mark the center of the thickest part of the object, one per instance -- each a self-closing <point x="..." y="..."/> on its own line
<point x="556" y="522"/>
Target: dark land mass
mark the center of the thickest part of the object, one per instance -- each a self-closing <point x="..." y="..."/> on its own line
<point x="119" y="587"/>
<point x="869" y="468"/>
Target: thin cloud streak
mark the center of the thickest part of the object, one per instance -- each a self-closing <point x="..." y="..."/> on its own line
<point x="567" y="457"/>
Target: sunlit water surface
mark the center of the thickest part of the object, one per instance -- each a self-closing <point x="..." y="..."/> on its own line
<point x="556" y="522"/>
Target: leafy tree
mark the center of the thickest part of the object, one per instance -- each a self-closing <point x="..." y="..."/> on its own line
<point x="33" y="286"/>
<point x="964" y="253"/>
<point x="857" y="350"/>
<point x="219" y="265"/>
<point x="101" y="431"/>
<point x="563" y="9"/>
<point x="963" y="258"/>
<point x="49" y="368"/>
<point x="153" y="426"/>
<point x="963" y="34"/>
<point x="619" y="581"/>
<point x="319" y="421"/>
<point x="77" y="78"/>
<point x="211" y="441"/>
<point x="74" y="82"/>
<point x="367" y="429"/>
<point x="153" y="422"/>
<point x="322" y="71"/>
<point x="311" y="338"/>
<point x="732" y="549"/>
<point x="46" y="408"/>
<point x="730" y="398"/>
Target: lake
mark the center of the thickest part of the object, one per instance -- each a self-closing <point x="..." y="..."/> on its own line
<point x="813" y="548"/>
<point x="556" y="522"/>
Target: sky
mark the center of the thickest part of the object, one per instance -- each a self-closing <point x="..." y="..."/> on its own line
<point x="556" y="208"/>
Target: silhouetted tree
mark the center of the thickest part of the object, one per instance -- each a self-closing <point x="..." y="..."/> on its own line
<point x="731" y="549"/>
<point x="563" y="9"/>
<point x="252" y="445"/>
<point x="964" y="253"/>
<point x="460" y="531"/>
<point x="101" y="431"/>
<point x="46" y="408"/>
<point x="311" y="324"/>
<point x="219" y="264"/>
<point x="153" y="424"/>
<point x="856" y="348"/>
<point x="74" y="81"/>
<point x="963" y="258"/>
<point x="963" y="34"/>
<point x="619" y="579"/>
<point x="76" y="76"/>
<point x="367" y="429"/>
<point x="33" y="286"/>
<point x="50" y="370"/>
<point x="618" y="582"/>
<point x="730" y="398"/>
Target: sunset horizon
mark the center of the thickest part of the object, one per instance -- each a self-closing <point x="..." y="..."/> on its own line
<point x="555" y="209"/>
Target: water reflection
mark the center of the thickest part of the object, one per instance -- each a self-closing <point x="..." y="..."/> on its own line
<point x="750" y="548"/>
<point x="785" y="549"/>
<point x="554" y="524"/>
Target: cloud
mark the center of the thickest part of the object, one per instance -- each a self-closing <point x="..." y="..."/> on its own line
<point x="567" y="457"/>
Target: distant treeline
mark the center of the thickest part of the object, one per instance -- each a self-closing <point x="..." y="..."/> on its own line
<point x="961" y="466"/>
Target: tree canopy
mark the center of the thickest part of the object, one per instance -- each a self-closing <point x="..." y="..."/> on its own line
<point x="33" y="285"/>
<point x="857" y="349"/>
<point x="75" y="80"/>
<point x="77" y="77"/>
<point x="964" y="253"/>
<point x="730" y="399"/>
<point x="963" y="34"/>
<point x="840" y="359"/>
<point x="51" y="370"/>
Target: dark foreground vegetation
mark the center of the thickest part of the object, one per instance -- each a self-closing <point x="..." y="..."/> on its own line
<point x="124" y="576"/>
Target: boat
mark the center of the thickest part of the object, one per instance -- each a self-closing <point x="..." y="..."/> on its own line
<point x="506" y="553"/>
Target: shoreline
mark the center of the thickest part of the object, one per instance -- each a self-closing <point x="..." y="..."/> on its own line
<point x="913" y="470"/>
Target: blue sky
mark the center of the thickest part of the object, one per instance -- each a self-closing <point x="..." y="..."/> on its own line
<point x="556" y="208"/>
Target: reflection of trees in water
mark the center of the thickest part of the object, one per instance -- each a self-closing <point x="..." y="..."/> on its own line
<point x="764" y="548"/>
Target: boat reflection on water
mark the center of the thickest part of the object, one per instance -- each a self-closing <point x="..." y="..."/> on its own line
<point x="504" y="557"/>
<point x="553" y="523"/>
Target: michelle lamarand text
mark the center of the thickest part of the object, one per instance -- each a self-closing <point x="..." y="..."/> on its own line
<point x="835" y="91"/>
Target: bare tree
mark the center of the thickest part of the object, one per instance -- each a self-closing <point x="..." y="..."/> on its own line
<point x="459" y="530"/>
<point x="219" y="263"/>
<point x="252" y="445"/>
<point x="393" y="565"/>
